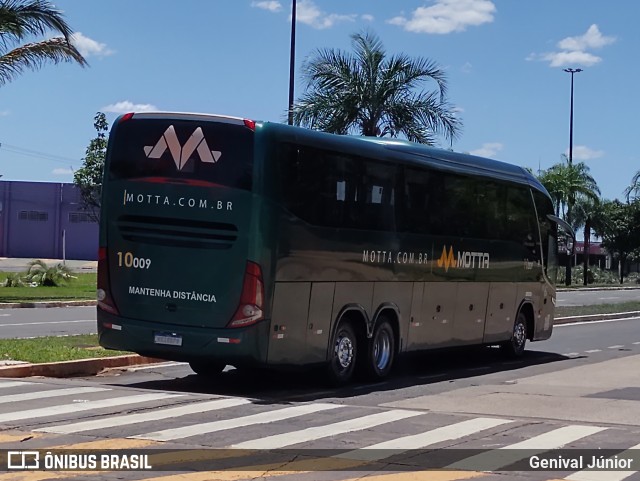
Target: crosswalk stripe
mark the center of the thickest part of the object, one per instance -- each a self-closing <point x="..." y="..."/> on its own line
<point x="260" y="418"/>
<point x="606" y="475"/>
<point x="85" y="406"/>
<point x="422" y="440"/>
<point x="128" y="419"/>
<point x="8" y="384"/>
<point x="431" y="475"/>
<point x="495" y="459"/>
<point x="310" y="434"/>
<point x="50" y="393"/>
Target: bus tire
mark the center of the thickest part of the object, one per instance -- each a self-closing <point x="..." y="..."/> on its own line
<point x="343" y="354"/>
<point x="514" y="347"/>
<point x="207" y="368"/>
<point x="381" y="351"/>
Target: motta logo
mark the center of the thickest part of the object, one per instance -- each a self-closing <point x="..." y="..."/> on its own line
<point x="182" y="153"/>
<point x="465" y="259"/>
<point x="447" y="260"/>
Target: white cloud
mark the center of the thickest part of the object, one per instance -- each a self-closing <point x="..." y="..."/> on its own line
<point x="489" y="149"/>
<point x="308" y="13"/>
<point x="592" y="39"/>
<point x="447" y="16"/>
<point x="566" y="59"/>
<point x="5" y="113"/>
<point x="367" y="17"/>
<point x="89" y="47"/>
<point x="126" y="106"/>
<point x="582" y="152"/>
<point x="60" y="171"/>
<point x="574" y="50"/>
<point x="272" y="5"/>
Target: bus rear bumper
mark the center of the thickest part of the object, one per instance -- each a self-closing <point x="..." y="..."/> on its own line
<point x="238" y="347"/>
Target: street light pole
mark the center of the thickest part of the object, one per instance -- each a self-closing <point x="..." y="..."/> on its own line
<point x="570" y="200"/>
<point x="292" y="59"/>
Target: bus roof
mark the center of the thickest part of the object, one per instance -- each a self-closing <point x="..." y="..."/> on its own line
<point x="409" y="153"/>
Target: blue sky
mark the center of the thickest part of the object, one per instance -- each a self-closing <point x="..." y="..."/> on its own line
<point x="504" y="61"/>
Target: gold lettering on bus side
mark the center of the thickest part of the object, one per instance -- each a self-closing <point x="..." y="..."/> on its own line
<point x="447" y="260"/>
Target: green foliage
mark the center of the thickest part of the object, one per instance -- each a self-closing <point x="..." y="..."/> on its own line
<point x="54" y="349"/>
<point x="81" y="287"/>
<point x="375" y="94"/>
<point x="89" y="177"/>
<point x="618" y="224"/>
<point x="20" y="21"/>
<point x="568" y="184"/>
<point x="39" y="273"/>
<point x="14" y="279"/>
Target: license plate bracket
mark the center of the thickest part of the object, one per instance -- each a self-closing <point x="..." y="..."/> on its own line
<point x="167" y="338"/>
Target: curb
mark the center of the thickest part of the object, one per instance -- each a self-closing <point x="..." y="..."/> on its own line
<point x="80" y="367"/>
<point x="596" y="317"/>
<point x="17" y="305"/>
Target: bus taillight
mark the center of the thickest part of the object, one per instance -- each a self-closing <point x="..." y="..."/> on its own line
<point x="251" y="305"/>
<point x="105" y="301"/>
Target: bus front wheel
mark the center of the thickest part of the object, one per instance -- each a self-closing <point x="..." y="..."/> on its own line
<point x="342" y="358"/>
<point x="515" y="347"/>
<point x="207" y="368"/>
<point x="381" y="351"/>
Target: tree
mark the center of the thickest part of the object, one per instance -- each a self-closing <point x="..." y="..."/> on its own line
<point x="20" y="21"/>
<point x="619" y="227"/>
<point x="89" y="177"/>
<point x="373" y="94"/>
<point x="566" y="183"/>
<point x="634" y="187"/>
<point x="587" y="211"/>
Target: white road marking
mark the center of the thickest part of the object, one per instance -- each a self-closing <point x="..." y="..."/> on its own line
<point x="606" y="475"/>
<point x="50" y="393"/>
<point x="215" y="426"/>
<point x="617" y="346"/>
<point x="88" y="406"/>
<point x="4" y="384"/>
<point x="278" y="441"/>
<point x="128" y="419"/>
<point x="422" y="440"/>
<point x="591" y="351"/>
<point x="495" y="459"/>
<point x="47" y="322"/>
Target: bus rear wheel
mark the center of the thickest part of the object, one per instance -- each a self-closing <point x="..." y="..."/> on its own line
<point x="207" y="368"/>
<point x="342" y="358"/>
<point x="381" y="351"/>
<point x="515" y="347"/>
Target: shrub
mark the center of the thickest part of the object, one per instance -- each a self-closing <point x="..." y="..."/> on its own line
<point x="44" y="275"/>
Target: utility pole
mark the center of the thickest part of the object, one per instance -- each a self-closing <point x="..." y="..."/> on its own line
<point x="570" y="199"/>
<point x="292" y="61"/>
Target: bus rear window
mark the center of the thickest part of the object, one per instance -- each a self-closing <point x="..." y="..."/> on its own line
<point x="182" y="151"/>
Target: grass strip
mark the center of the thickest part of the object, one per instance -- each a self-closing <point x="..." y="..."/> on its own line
<point x="54" y="349"/>
<point x="83" y="287"/>
<point x="567" y="311"/>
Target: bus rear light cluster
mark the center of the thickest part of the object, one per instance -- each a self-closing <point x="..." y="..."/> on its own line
<point x="251" y="305"/>
<point x="105" y="301"/>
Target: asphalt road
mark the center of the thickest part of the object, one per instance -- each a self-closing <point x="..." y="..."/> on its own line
<point x="64" y="321"/>
<point x="579" y="390"/>
<point x="55" y="321"/>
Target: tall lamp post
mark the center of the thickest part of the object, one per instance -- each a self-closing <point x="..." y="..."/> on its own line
<point x="570" y="206"/>
<point x="292" y="59"/>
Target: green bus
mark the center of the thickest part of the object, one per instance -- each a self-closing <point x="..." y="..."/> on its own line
<point x="225" y="241"/>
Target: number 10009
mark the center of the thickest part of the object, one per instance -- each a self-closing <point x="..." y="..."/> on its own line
<point x="127" y="259"/>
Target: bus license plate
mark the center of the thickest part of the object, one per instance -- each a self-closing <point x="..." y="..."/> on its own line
<point x="168" y="338"/>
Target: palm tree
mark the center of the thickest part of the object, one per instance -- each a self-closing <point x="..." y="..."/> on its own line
<point x="566" y="183"/>
<point x="20" y="21"/>
<point x="634" y="187"/>
<point x="373" y="94"/>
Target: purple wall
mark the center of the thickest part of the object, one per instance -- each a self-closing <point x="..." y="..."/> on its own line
<point x="45" y="220"/>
